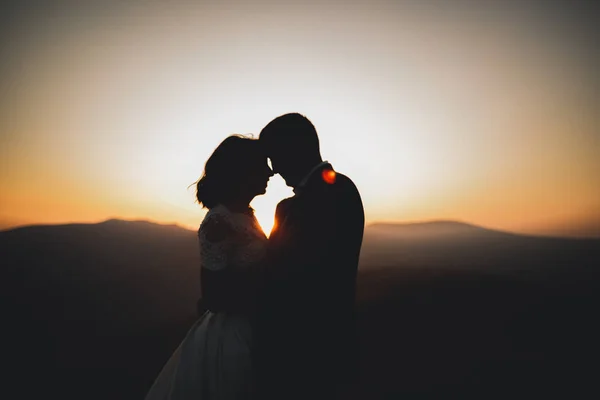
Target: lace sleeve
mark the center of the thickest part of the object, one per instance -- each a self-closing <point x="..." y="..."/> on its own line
<point x="215" y="238"/>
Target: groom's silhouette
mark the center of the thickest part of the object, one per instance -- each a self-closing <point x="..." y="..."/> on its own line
<point x="305" y="330"/>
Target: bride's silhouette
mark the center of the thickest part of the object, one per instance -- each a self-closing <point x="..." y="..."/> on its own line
<point x="214" y="359"/>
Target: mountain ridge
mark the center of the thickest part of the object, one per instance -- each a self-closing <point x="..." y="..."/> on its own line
<point x="111" y="222"/>
<point x="445" y="227"/>
<point x="442" y="227"/>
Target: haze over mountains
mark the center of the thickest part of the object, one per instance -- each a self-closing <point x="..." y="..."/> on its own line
<point x="94" y="310"/>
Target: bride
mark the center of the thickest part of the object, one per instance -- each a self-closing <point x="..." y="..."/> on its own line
<point x="213" y="361"/>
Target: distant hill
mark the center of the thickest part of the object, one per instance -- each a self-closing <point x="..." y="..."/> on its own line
<point x="142" y="257"/>
<point x="449" y="230"/>
<point x="94" y="310"/>
<point x="96" y="305"/>
<point x="429" y="228"/>
<point x="456" y="245"/>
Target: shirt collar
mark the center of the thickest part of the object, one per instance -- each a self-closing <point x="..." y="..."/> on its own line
<point x="304" y="181"/>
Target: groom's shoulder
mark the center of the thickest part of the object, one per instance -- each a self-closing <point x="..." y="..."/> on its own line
<point x="330" y="185"/>
<point x="345" y="196"/>
<point x="344" y="181"/>
<point x="334" y="192"/>
<point x="343" y="186"/>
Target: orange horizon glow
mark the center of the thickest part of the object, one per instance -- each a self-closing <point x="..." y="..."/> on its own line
<point x="485" y="114"/>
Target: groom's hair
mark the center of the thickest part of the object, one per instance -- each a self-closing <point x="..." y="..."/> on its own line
<point x="291" y="131"/>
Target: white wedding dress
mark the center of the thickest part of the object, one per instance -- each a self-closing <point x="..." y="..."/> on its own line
<point x="213" y="361"/>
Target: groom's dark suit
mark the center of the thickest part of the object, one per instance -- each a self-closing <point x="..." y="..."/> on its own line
<point x="305" y="329"/>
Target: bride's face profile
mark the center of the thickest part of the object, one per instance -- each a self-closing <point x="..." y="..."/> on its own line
<point x="237" y="171"/>
<point x="259" y="174"/>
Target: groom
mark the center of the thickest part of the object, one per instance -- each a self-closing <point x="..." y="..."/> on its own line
<point x="305" y="330"/>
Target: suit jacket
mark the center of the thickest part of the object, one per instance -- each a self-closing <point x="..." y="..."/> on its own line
<point x="306" y="320"/>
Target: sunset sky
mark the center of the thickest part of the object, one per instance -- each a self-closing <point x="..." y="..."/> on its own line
<point x="479" y="111"/>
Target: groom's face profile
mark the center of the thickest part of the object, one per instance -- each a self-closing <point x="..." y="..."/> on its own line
<point x="286" y="166"/>
<point x="278" y="166"/>
<point x="292" y="145"/>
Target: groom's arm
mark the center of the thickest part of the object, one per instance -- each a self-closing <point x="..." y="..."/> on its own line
<point x="281" y="211"/>
<point x="297" y="246"/>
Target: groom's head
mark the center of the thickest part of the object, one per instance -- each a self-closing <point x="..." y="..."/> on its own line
<point x="292" y="144"/>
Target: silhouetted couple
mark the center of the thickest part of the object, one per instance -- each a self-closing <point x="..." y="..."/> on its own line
<point x="280" y="319"/>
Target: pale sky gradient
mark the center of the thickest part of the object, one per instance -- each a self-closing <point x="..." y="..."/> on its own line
<point x="480" y="111"/>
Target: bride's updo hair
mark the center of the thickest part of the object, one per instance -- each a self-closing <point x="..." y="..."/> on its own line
<point x="226" y="170"/>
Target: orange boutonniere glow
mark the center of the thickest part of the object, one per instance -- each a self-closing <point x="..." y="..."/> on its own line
<point x="328" y="176"/>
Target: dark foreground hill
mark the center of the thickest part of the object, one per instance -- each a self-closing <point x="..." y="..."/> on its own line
<point x="445" y="309"/>
<point x="93" y="310"/>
